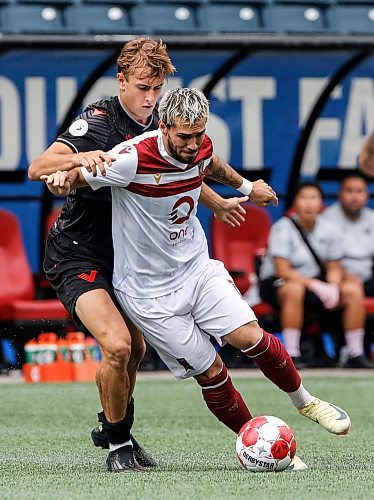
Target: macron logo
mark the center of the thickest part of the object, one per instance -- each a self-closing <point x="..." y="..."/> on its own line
<point x="88" y="277"/>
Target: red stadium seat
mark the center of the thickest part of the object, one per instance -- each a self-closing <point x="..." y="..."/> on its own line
<point x="17" y="291"/>
<point x="238" y="247"/>
<point x="369" y="305"/>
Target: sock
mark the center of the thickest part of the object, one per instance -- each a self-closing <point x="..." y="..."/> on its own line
<point x="354" y="340"/>
<point x="118" y="432"/>
<point x="126" y="423"/>
<point x="291" y="339"/>
<point x="275" y="363"/>
<point x="224" y="401"/>
<point x="113" y="447"/>
<point x="301" y="397"/>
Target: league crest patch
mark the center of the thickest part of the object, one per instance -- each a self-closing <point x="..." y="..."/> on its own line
<point x="78" y="128"/>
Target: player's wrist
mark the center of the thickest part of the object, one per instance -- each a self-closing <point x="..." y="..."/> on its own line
<point x="246" y="188"/>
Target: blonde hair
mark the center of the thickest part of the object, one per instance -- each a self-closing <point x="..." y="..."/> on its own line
<point x="189" y="104"/>
<point x="146" y="54"/>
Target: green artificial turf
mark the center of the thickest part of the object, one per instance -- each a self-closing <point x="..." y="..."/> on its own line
<point x="46" y="450"/>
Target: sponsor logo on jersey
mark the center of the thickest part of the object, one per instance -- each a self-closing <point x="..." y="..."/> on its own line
<point x="88" y="277"/>
<point x="157" y="178"/>
<point x="181" y="210"/>
<point x="128" y="137"/>
<point x="78" y="128"/>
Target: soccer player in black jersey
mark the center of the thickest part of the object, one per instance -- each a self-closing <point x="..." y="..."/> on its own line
<point x="79" y="252"/>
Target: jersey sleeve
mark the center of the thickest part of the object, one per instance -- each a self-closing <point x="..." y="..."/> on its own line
<point x="122" y="171"/>
<point x="90" y="131"/>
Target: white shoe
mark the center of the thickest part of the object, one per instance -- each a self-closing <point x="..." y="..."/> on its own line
<point x="296" y="465"/>
<point x="330" y="417"/>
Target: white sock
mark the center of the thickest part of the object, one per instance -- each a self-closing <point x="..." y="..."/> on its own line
<point x="113" y="447"/>
<point x="301" y="397"/>
<point x="291" y="339"/>
<point x="354" y="340"/>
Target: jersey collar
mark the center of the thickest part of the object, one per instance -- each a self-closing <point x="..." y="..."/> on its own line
<point x="143" y="127"/>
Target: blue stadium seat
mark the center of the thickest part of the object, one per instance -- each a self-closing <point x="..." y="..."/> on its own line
<point x="293" y="19"/>
<point x="58" y="3"/>
<point x="256" y="3"/>
<point x="323" y="3"/>
<point x="97" y="19"/>
<point x="228" y="18"/>
<point x="32" y="19"/>
<point x="351" y="19"/>
<point x="183" y="2"/>
<point x="122" y="3"/>
<point x="163" y="19"/>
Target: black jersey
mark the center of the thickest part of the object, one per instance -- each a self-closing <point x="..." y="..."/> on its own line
<point x="86" y="217"/>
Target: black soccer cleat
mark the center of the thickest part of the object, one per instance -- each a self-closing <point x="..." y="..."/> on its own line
<point x="100" y="439"/>
<point x="123" y="460"/>
<point x="142" y="457"/>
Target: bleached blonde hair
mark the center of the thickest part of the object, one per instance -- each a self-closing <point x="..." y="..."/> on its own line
<point x="190" y="105"/>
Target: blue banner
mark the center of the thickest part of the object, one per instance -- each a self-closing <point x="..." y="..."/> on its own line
<point x="257" y="110"/>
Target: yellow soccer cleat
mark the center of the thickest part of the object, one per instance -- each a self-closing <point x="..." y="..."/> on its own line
<point x="330" y="417"/>
<point x="296" y="465"/>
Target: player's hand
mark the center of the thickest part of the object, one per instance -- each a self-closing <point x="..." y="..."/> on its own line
<point x="58" y="183"/>
<point x="262" y="194"/>
<point x="232" y="213"/>
<point x="93" y="160"/>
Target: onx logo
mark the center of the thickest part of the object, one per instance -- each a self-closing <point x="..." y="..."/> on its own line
<point x="181" y="212"/>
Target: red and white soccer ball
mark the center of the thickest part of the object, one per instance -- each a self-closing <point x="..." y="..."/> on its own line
<point x="265" y="444"/>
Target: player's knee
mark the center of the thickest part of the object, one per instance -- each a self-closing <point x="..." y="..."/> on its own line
<point x="117" y="354"/>
<point x="214" y="370"/>
<point x="252" y="333"/>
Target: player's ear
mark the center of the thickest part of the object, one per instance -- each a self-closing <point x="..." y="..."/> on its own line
<point x="121" y="81"/>
<point x="163" y="127"/>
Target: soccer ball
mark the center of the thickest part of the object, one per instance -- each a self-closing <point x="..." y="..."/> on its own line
<point x="265" y="444"/>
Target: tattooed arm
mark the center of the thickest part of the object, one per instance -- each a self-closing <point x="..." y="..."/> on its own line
<point x="260" y="193"/>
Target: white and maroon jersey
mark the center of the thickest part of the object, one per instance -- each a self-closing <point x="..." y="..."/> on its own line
<point x="158" y="240"/>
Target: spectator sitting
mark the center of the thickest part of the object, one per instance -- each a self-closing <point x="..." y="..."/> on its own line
<point x="356" y="223"/>
<point x="302" y="269"/>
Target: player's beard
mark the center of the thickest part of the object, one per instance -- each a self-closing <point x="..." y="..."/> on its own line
<point x="173" y="153"/>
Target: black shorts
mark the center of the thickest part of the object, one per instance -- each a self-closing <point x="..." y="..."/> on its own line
<point x="268" y="293"/>
<point x="71" y="273"/>
<point x="369" y="288"/>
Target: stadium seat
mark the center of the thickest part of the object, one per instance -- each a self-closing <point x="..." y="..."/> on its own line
<point x="32" y="19"/>
<point x="239" y="247"/>
<point x="17" y="291"/>
<point x="249" y="3"/>
<point x="351" y="19"/>
<point x="293" y="19"/>
<point x="228" y="18"/>
<point x="323" y="3"/>
<point x="97" y="19"/>
<point x="163" y="19"/>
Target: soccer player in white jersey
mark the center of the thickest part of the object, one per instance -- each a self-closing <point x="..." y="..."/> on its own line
<point x="163" y="276"/>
